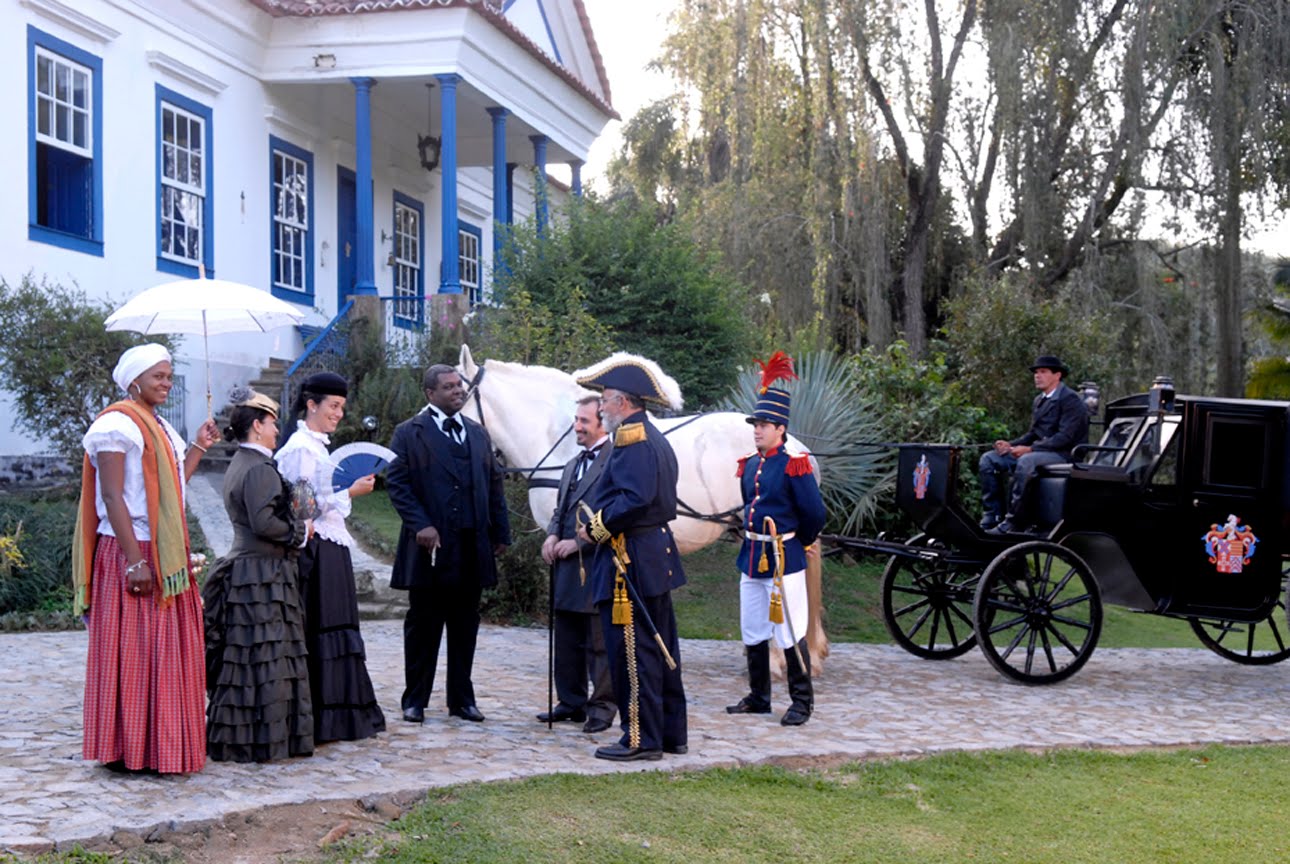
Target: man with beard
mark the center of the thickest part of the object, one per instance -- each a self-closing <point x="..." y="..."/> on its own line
<point x="447" y="489"/>
<point x="637" y="563"/>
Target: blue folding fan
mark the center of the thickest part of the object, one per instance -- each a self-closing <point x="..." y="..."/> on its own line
<point x="357" y="460"/>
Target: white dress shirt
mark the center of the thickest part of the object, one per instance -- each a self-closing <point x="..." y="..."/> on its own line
<point x="305" y="457"/>
<point x="115" y="432"/>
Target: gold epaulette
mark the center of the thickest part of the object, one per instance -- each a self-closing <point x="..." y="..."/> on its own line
<point x="629" y="433"/>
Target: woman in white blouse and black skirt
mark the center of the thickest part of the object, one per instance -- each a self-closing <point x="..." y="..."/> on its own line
<point x="344" y="703"/>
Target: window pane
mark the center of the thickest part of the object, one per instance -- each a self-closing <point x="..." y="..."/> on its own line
<point x="80" y="89"/>
<point x="62" y="88"/>
<point x="196" y="175"/>
<point x="62" y="128"/>
<point x="44" y="72"/>
<point x="79" y="132"/>
<point x="167" y="126"/>
<point x="44" y="115"/>
<point x="181" y="131"/>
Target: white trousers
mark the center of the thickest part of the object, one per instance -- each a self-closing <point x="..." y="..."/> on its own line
<point x="754" y="609"/>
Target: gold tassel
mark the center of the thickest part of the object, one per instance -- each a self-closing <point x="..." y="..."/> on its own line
<point x="621" y="613"/>
<point x="776" y="609"/>
<point x="762" y="564"/>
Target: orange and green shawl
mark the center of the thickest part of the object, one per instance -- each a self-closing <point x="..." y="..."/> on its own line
<point x="169" y="527"/>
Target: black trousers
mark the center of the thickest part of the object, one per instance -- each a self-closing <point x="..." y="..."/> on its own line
<point x="580" y="655"/>
<point x="660" y="694"/>
<point x="431" y="610"/>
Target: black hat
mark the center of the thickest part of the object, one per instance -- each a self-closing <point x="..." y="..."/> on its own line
<point x="326" y="384"/>
<point x="638" y="376"/>
<point x="1049" y="361"/>
<point x="773" y="402"/>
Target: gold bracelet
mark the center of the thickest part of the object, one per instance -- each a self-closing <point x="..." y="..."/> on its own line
<point x="199" y="447"/>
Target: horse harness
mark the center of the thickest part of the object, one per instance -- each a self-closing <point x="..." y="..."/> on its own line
<point x="726" y="517"/>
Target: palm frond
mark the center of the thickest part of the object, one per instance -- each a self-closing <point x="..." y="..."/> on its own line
<point x="839" y="424"/>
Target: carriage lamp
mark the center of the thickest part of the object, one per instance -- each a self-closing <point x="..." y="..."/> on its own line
<point x="369" y="423"/>
<point x="1161" y="396"/>
<point x="1092" y="396"/>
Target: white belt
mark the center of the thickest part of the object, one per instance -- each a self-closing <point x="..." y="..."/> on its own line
<point x="770" y="538"/>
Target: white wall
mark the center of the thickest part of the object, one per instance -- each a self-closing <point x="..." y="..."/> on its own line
<point x="317" y="117"/>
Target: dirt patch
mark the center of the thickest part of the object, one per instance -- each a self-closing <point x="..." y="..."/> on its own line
<point x="283" y="833"/>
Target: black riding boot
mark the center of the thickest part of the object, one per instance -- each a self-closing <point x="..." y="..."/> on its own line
<point x="799" y="687"/>
<point x="758" y="699"/>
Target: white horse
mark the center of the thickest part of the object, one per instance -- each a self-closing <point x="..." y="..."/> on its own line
<point x="528" y="412"/>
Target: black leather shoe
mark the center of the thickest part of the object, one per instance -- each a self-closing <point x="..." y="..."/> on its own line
<point x="796" y="715"/>
<point x="621" y="753"/>
<point x="414" y="715"/>
<point x="676" y="749"/>
<point x="595" y="724"/>
<point x="563" y="713"/>
<point x="748" y="705"/>
<point x="467" y="712"/>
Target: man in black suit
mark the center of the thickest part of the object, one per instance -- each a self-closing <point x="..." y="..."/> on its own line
<point x="447" y="488"/>
<point x="1059" y="421"/>
<point x="579" y="639"/>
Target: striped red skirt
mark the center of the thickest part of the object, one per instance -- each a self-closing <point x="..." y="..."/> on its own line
<point x="145" y="677"/>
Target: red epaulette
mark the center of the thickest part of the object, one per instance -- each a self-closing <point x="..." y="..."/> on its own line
<point x="799" y="465"/>
<point x="743" y="460"/>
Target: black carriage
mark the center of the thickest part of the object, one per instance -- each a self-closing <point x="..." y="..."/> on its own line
<point x="1179" y="510"/>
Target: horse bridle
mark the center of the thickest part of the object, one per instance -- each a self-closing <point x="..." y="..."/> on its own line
<point x="534" y="482"/>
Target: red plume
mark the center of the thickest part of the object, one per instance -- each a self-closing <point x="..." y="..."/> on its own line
<point x="778" y="367"/>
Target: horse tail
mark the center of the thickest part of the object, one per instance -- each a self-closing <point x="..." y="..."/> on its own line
<point x="816" y="639"/>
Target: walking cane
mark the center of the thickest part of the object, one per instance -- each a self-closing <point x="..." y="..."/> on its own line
<point x="550" y="648"/>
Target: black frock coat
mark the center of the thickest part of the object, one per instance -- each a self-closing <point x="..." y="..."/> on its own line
<point x="425" y="488"/>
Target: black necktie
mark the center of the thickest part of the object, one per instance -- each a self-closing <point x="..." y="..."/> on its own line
<point x="585" y="458"/>
<point x="452" y="429"/>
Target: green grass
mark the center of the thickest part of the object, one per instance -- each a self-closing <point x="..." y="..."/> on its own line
<point x="1217" y="804"/>
<point x="708" y="606"/>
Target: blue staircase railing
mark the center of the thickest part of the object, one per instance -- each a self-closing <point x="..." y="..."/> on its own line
<point x="324" y="352"/>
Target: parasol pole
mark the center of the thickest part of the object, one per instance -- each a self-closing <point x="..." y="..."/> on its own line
<point x="201" y="274"/>
<point x="207" y="345"/>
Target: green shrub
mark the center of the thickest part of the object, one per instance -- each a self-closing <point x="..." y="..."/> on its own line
<point x="43" y="583"/>
<point x="57" y="360"/>
<point x="523" y="579"/>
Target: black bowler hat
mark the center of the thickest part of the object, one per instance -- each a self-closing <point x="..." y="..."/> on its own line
<point x="1049" y="361"/>
<point x="326" y="384"/>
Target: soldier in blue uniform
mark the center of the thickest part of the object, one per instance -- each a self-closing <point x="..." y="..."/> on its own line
<point x="636" y="563"/>
<point x="783" y="515"/>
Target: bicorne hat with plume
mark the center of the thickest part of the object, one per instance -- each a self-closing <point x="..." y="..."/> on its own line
<point x="773" y="402"/>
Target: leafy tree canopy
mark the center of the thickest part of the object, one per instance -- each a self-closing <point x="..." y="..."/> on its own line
<point x="57" y="360"/>
<point x="648" y="287"/>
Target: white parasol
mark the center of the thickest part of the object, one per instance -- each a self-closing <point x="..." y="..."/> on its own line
<point x="205" y="306"/>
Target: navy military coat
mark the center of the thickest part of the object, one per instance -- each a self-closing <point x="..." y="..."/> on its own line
<point x="636" y="497"/>
<point x="782" y="486"/>
<point x="571" y="594"/>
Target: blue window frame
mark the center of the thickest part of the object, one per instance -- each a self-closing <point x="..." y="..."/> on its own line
<point x="185" y="185"/>
<point x="408" y="261"/>
<point x="470" y="271"/>
<point x="291" y="205"/>
<point x="64" y="144"/>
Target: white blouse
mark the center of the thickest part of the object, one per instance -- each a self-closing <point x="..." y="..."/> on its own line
<point x="115" y="432"/>
<point x="305" y="457"/>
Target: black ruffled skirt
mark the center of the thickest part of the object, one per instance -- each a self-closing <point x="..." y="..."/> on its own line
<point x="344" y="702"/>
<point x="257" y="675"/>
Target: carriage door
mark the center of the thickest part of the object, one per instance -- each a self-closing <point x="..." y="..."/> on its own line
<point x="1232" y="478"/>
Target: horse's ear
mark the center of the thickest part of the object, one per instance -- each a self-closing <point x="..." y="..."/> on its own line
<point x="467" y="362"/>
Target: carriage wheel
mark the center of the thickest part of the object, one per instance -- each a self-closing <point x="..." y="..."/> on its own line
<point x="1038" y="613"/>
<point x="1257" y="643"/>
<point x="927" y="605"/>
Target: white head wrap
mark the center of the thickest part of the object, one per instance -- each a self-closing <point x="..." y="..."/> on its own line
<point x="136" y="361"/>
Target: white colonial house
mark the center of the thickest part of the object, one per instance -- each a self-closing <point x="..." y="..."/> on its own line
<point x="322" y="150"/>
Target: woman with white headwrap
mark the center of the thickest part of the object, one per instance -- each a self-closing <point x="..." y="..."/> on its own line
<point x="145" y="680"/>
